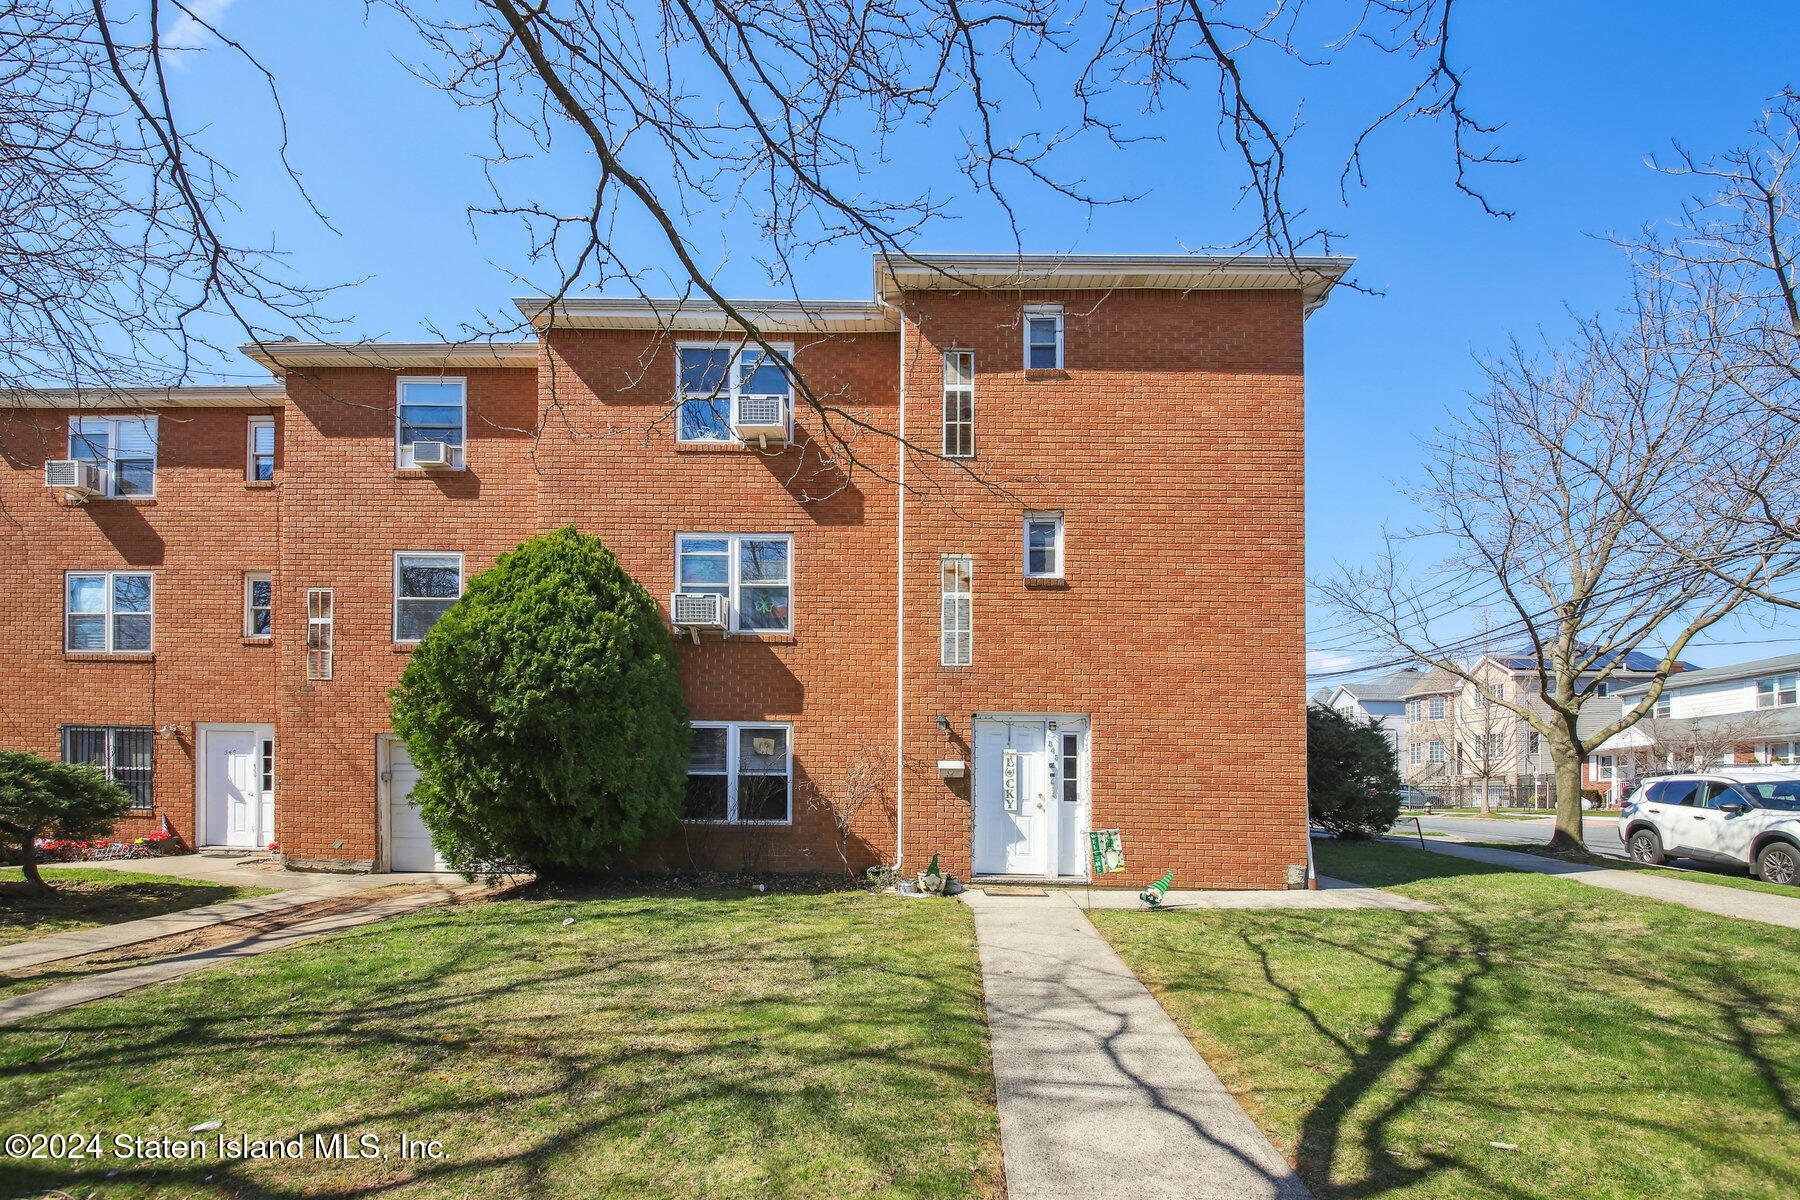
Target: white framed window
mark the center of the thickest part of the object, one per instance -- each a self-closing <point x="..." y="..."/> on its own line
<point x="1043" y="545"/>
<point x="1780" y="752"/>
<point x="1662" y="706"/>
<point x="1604" y="767"/>
<point x="430" y="409"/>
<point x="959" y="404"/>
<point x="956" y="610"/>
<point x="1437" y="711"/>
<point x="425" y="586"/>
<point x="259" y="604"/>
<point x="1778" y="691"/>
<point x="109" y="612"/>
<point x="1414" y="710"/>
<point x="714" y="380"/>
<point x="1496" y="746"/>
<point x="1437" y="753"/>
<point x="741" y="773"/>
<point x="1477" y="698"/>
<point x="259" y="450"/>
<point x="318" y="633"/>
<point x="1415" y="753"/>
<point x="753" y="571"/>
<point x="124" y="448"/>
<point x="1603" y="687"/>
<point x="1043" y="337"/>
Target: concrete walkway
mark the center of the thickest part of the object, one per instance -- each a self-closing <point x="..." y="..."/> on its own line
<point x="294" y="889"/>
<point x="96" y="987"/>
<point x="1707" y="897"/>
<point x="1101" y="1096"/>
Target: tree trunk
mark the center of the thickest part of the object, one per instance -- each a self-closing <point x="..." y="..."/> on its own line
<point x="28" y="867"/>
<point x="1569" y="837"/>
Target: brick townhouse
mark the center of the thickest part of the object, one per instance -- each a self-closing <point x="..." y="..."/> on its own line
<point x="1082" y="609"/>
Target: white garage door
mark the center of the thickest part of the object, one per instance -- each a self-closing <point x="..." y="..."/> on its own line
<point x="409" y="844"/>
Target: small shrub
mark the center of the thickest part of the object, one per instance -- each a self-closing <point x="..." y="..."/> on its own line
<point x="1352" y="778"/>
<point x="41" y="798"/>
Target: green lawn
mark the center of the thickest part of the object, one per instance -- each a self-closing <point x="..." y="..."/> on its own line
<point x="1628" y="1048"/>
<point x="90" y="896"/>
<point x="1722" y="878"/>
<point x="688" y="1045"/>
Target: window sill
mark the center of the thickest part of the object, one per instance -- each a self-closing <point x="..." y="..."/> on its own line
<point x="714" y="635"/>
<point x="725" y="824"/>
<point x="427" y="472"/>
<point x="1046" y="373"/>
<point x="109" y="656"/>
<point x="259" y="485"/>
<point x="1048" y="583"/>
<point x="713" y="447"/>
<point x="404" y="647"/>
<point x="268" y="640"/>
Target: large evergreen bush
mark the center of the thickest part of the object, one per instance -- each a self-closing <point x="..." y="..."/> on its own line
<point x="1352" y="778"/>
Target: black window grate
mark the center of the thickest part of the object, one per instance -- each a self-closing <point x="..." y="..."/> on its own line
<point x="127" y="753"/>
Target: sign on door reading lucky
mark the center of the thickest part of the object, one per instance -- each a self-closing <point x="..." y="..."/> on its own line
<point x="1108" y="850"/>
<point x="1009" y="776"/>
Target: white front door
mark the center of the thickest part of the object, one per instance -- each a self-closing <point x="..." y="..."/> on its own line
<point x="1013" y="805"/>
<point x="234" y="792"/>
<point x="409" y="842"/>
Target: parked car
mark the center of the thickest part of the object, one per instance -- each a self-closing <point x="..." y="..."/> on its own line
<point x="1412" y="797"/>
<point x="1749" y="816"/>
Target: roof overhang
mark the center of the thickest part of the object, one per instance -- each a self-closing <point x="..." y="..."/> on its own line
<point x="280" y="357"/>
<point x="703" y="316"/>
<point x="132" y="399"/>
<point x="1314" y="276"/>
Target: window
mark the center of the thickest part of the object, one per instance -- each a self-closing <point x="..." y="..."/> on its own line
<point x="425" y="586"/>
<point x="1662" y="706"/>
<point x="1437" y="708"/>
<point x="715" y="381"/>
<point x="430" y="410"/>
<point x="1603" y="687"/>
<point x="1043" y="337"/>
<point x="318" y="633"/>
<point x="956" y="593"/>
<point x="259" y="465"/>
<point x="1780" y="752"/>
<point x="1604" y="767"/>
<point x="1496" y="746"/>
<point x="268" y="766"/>
<point x="1043" y="545"/>
<point x="1531" y="742"/>
<point x="127" y="753"/>
<point x="1415" y="753"/>
<point x="1437" y="753"/>
<point x="1412" y="710"/>
<point x="740" y="774"/>
<point x="959" y="403"/>
<point x="259" y="604"/>
<point x="1719" y="794"/>
<point x="1777" y="692"/>
<point x="124" y="448"/>
<point x="1478" y="698"/>
<point x="753" y="571"/>
<point x="1071" y="768"/>
<point x="108" y="612"/>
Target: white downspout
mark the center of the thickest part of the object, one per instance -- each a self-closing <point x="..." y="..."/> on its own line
<point x="900" y="628"/>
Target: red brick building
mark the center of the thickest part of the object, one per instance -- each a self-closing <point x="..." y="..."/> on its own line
<point x="1077" y="602"/>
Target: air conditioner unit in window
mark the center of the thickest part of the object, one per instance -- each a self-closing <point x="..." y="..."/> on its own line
<point x="762" y="419"/>
<point x="694" y="611"/>
<point x="74" y="477"/>
<point x="431" y="454"/>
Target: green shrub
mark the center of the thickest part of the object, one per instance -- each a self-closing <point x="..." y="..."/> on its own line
<point x="544" y="715"/>
<point x="1352" y="779"/>
<point x="43" y="798"/>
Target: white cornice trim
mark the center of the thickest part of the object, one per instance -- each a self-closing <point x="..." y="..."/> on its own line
<point x="696" y="316"/>
<point x="286" y="356"/>
<point x="253" y="396"/>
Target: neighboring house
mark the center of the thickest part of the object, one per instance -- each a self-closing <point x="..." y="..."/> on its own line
<point x="1382" y="700"/>
<point x="1084" y="608"/>
<point x="1464" y="746"/>
<point x="1741" y="713"/>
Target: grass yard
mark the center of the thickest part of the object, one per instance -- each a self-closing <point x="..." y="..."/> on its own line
<point x="1723" y="876"/>
<point x="687" y="1045"/>
<point x="1626" y="1047"/>
<point x="90" y="896"/>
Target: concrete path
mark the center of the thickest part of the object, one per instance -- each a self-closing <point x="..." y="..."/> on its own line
<point x="1707" y="897"/>
<point x="295" y="888"/>
<point x="1332" y="893"/>
<point x="95" y="987"/>
<point x="1101" y="1096"/>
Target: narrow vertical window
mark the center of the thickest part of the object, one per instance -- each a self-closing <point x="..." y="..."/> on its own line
<point x="1043" y="337"/>
<point x="259" y="604"/>
<point x="956" y="595"/>
<point x="1071" y="768"/>
<point x="959" y="403"/>
<point x="259" y="464"/>
<point x="1043" y="545"/>
<point x="318" y="633"/>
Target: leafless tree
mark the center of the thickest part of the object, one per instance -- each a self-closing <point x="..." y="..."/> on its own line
<point x="1581" y="494"/>
<point x="116" y="270"/>
<point x="1694" y="743"/>
<point x="858" y="799"/>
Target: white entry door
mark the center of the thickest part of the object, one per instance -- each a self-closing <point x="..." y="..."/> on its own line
<point x="409" y="842"/>
<point x="1014" y="810"/>
<point x="234" y="788"/>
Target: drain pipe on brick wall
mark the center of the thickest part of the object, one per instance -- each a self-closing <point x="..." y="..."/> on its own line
<point x="900" y="628"/>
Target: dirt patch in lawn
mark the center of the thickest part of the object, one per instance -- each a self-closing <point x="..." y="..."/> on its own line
<point x="86" y="897"/>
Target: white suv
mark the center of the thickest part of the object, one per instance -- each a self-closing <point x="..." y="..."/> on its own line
<point x="1745" y="815"/>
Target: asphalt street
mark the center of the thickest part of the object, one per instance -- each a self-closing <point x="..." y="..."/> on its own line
<point x="1601" y="833"/>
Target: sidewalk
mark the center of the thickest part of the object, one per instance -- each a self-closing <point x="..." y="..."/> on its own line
<point x="1707" y="897"/>
<point x="1101" y="1097"/>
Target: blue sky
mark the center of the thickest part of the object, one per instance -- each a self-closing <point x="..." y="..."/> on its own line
<point x="1586" y="91"/>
